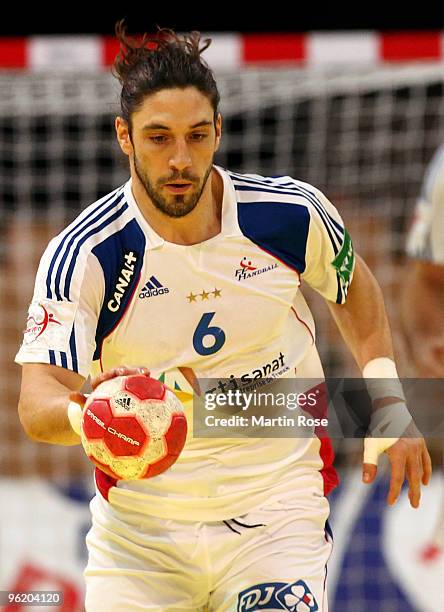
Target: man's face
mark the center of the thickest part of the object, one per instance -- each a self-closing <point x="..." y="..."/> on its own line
<point x="172" y="145"/>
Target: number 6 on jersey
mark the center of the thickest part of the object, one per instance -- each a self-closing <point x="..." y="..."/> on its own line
<point x="203" y="330"/>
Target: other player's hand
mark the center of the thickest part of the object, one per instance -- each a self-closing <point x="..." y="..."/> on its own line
<point x="123" y="370"/>
<point x="409" y="458"/>
<point x="429" y="361"/>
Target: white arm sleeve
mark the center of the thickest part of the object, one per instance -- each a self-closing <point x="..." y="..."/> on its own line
<point x="61" y="324"/>
<point x="329" y="254"/>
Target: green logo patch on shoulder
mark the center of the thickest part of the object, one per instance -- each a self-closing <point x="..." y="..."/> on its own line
<point x="345" y="260"/>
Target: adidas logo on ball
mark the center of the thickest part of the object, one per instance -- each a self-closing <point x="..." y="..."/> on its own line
<point x="123" y="401"/>
<point x="152" y="288"/>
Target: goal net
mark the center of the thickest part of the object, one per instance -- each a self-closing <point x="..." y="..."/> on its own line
<point x="364" y="138"/>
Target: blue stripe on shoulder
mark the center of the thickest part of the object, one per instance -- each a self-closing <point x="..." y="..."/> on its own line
<point x="292" y="186"/>
<point x="328" y="226"/>
<point x="76" y="229"/>
<point x="73" y="349"/>
<point x="72" y="256"/>
<point x="123" y="250"/>
<point x="75" y="253"/>
<point x="279" y="228"/>
<point x="321" y="208"/>
<point x="326" y="218"/>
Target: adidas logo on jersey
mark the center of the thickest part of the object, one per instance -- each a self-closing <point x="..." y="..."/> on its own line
<point x="152" y="288"/>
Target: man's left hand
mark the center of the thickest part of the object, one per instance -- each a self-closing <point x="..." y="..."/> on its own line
<point x="409" y="458"/>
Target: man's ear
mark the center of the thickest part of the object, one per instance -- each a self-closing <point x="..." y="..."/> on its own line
<point x="218" y="127"/>
<point x="123" y="135"/>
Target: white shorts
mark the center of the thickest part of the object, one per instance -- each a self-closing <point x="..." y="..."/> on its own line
<point x="273" y="558"/>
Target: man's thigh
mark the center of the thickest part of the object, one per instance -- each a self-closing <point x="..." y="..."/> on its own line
<point x="143" y="567"/>
<point x="278" y="566"/>
<point x="128" y="592"/>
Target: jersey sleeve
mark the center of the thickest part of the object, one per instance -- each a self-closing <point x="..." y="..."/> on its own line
<point x="329" y="254"/>
<point x="63" y="314"/>
<point x="425" y="238"/>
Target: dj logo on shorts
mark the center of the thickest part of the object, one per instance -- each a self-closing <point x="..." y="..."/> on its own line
<point x="294" y="597"/>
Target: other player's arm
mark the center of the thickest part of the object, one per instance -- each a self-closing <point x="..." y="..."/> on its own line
<point x="363" y="324"/>
<point x="422" y="317"/>
<point x="422" y="289"/>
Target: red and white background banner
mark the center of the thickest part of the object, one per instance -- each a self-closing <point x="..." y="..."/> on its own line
<point x="234" y="50"/>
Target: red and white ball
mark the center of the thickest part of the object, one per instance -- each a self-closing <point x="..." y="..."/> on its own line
<point x="133" y="427"/>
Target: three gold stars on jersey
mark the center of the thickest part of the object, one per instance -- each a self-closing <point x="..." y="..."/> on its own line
<point x="205" y="295"/>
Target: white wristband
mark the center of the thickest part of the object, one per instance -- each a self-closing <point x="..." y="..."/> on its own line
<point x="380" y="367"/>
<point x="382" y="380"/>
<point x="391" y="420"/>
<point x="75" y="416"/>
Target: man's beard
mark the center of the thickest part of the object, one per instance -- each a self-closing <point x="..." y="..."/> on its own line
<point x="178" y="205"/>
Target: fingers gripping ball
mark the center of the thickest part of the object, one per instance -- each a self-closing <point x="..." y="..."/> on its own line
<point x="133" y="427"/>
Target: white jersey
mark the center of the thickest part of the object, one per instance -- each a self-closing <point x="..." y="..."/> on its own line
<point x="110" y="291"/>
<point x="426" y="236"/>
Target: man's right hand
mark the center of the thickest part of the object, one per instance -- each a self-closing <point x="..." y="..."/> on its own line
<point x="80" y="398"/>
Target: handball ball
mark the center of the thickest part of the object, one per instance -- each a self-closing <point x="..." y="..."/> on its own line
<point x="133" y="427"/>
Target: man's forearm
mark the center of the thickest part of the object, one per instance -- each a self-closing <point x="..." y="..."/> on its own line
<point x="47" y="420"/>
<point x="43" y="410"/>
<point x="362" y="320"/>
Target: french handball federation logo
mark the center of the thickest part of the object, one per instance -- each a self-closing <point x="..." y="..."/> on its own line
<point x="37" y="322"/>
<point x="246" y="264"/>
<point x="293" y="597"/>
<point x="247" y="269"/>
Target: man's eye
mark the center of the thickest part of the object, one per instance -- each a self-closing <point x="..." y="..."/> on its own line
<point x="198" y="136"/>
<point x="158" y="139"/>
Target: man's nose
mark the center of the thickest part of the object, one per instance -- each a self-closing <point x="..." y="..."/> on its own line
<point x="181" y="157"/>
